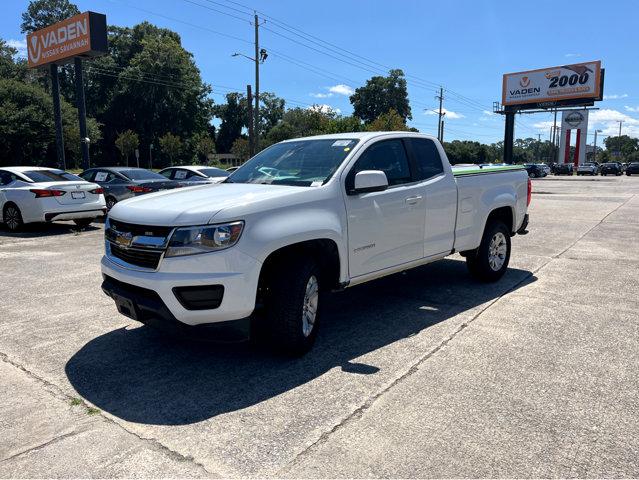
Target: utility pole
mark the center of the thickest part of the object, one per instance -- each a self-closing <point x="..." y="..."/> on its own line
<point x="538" y="142"/>
<point x="594" y="153"/>
<point x="82" y="112"/>
<point x="554" y="136"/>
<point x="257" y="85"/>
<point x="57" y="114"/>
<point x="441" y="140"/>
<point x="440" y="130"/>
<point x="619" y="143"/>
<point x="249" y="104"/>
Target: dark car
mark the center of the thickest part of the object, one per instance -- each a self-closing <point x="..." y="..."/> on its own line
<point x="611" y="168"/>
<point x="534" y="170"/>
<point x="563" y="169"/>
<point x="632" y="169"/>
<point x="120" y="183"/>
<point x="195" y="175"/>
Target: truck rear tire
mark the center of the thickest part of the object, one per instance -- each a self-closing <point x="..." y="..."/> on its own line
<point x="490" y="260"/>
<point x="292" y="310"/>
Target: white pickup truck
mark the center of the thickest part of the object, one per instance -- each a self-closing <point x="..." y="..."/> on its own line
<point x="301" y="218"/>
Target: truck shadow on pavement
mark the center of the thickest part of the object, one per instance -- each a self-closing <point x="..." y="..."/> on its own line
<point x="36" y="230"/>
<point x="142" y="376"/>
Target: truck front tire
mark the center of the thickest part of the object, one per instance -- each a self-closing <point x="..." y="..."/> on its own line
<point x="292" y="304"/>
<point x="490" y="261"/>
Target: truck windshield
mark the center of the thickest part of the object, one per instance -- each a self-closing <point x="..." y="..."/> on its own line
<point x="301" y="163"/>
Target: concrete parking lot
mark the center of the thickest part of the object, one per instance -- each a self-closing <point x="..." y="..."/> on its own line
<point x="422" y="374"/>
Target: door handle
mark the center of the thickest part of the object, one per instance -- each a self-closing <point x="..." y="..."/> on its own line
<point x="413" y="200"/>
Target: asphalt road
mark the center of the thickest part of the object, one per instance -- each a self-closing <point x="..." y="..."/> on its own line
<point x="422" y="374"/>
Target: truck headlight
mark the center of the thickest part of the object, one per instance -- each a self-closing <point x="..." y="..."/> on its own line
<point x="204" y="239"/>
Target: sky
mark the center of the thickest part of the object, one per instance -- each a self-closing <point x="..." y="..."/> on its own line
<point x="319" y="52"/>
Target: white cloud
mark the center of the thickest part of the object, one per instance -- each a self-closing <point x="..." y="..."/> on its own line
<point x="546" y="125"/>
<point x="324" y="108"/>
<point x="19" y="45"/>
<point x="631" y="109"/>
<point x="488" y="113"/>
<point x="449" y="114"/>
<point x="341" y="89"/>
<point x="321" y="95"/>
<point x="568" y="55"/>
<point x="615" y="96"/>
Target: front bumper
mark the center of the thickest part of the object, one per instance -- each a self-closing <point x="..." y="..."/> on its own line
<point x="232" y="269"/>
<point x="147" y="307"/>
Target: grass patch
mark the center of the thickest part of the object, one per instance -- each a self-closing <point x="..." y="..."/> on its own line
<point x="92" y="411"/>
<point x="76" y="401"/>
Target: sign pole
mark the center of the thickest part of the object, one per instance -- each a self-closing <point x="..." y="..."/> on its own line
<point x="509" y="134"/>
<point x="82" y="114"/>
<point x="57" y="115"/>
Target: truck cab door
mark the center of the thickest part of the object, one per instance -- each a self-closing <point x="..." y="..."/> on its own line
<point x="440" y="195"/>
<point x="386" y="228"/>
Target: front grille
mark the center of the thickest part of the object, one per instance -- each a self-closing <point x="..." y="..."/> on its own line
<point x="145" y="230"/>
<point x="140" y="258"/>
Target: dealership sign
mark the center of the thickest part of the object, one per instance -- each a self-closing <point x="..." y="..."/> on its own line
<point x="556" y="84"/>
<point x="84" y="35"/>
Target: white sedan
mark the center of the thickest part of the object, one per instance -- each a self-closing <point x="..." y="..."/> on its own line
<point x="189" y="175"/>
<point x="38" y="194"/>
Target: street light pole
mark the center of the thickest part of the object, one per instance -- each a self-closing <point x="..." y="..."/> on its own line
<point x="150" y="156"/>
<point x="594" y="155"/>
<point x="257" y="85"/>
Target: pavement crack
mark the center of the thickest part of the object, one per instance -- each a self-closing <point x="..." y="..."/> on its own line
<point x="57" y="392"/>
<point x="54" y="440"/>
<point x="368" y="403"/>
<point x="593" y="227"/>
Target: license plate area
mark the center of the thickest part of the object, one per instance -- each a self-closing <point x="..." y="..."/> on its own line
<point x="125" y="306"/>
<point x="77" y="195"/>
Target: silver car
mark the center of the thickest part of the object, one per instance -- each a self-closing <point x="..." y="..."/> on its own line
<point x="195" y="174"/>
<point x="588" y="169"/>
<point x="120" y="183"/>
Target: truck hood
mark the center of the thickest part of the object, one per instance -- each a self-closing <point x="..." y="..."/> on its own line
<point x="195" y="205"/>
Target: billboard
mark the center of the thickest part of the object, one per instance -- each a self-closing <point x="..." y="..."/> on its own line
<point x="554" y="84"/>
<point x="84" y="35"/>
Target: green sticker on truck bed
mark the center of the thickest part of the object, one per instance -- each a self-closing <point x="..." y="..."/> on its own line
<point x="476" y="170"/>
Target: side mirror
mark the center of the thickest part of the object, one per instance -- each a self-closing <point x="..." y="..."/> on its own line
<point x="370" y="181"/>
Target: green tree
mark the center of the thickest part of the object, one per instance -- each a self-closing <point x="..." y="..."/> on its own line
<point x="380" y="95"/>
<point x="203" y="145"/>
<point x="127" y="142"/>
<point x="171" y="146"/>
<point x="387" y="122"/>
<point x="42" y="13"/>
<point x="627" y="145"/>
<point x="240" y="148"/>
<point x="148" y="83"/>
<point x="271" y="111"/>
<point x="234" y="116"/>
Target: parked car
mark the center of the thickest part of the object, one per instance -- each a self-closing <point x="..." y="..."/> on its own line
<point x="38" y="194"/>
<point x="194" y="174"/>
<point x="544" y="167"/>
<point x="633" y="168"/>
<point x="120" y="183"/>
<point x="534" y="170"/>
<point x="588" y="169"/>
<point x="611" y="168"/>
<point x="304" y="217"/>
<point x="563" y="169"/>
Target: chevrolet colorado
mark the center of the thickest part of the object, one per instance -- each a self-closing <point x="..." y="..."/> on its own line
<point x="301" y="218"/>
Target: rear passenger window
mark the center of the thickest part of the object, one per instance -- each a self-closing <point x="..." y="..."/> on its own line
<point x="388" y="156"/>
<point x="429" y="163"/>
